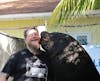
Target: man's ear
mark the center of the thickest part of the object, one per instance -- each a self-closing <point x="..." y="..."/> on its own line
<point x="25" y="41"/>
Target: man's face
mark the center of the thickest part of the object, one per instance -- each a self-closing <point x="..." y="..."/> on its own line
<point x="32" y="39"/>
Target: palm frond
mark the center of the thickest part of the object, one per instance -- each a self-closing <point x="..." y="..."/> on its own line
<point x="68" y="9"/>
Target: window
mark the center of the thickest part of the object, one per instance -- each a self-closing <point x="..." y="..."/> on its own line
<point x="82" y="39"/>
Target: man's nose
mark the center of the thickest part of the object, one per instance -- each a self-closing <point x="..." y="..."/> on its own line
<point x="35" y="36"/>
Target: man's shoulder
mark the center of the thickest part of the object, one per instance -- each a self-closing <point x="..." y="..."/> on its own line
<point x="20" y="53"/>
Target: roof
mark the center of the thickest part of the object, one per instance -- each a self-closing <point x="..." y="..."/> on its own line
<point x="26" y="6"/>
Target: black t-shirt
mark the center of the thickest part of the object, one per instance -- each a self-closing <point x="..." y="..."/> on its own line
<point x="24" y="66"/>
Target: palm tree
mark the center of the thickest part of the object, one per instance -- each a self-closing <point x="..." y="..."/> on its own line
<point x="69" y="9"/>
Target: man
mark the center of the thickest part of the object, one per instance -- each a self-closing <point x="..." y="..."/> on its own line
<point x="29" y="64"/>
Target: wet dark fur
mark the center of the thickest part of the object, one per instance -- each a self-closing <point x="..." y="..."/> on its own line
<point x="69" y="60"/>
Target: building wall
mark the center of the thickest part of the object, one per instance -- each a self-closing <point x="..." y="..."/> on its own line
<point x="88" y="25"/>
<point x="15" y="27"/>
<point x="92" y="32"/>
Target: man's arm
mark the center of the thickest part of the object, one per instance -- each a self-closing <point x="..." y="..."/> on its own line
<point x="3" y="77"/>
